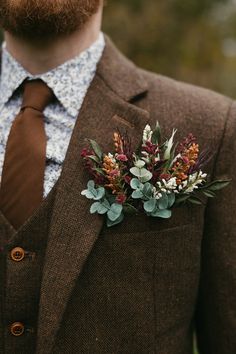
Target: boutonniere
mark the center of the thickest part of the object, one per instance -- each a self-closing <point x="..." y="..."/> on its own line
<point x="153" y="180"/>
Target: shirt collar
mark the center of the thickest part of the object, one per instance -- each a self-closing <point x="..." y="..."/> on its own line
<point x="66" y="80"/>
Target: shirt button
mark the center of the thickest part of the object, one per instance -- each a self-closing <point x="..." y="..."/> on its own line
<point x="17" y="254"/>
<point x="17" y="329"/>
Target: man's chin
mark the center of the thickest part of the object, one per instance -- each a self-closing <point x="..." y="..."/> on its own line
<point x="41" y="21"/>
<point x="38" y="33"/>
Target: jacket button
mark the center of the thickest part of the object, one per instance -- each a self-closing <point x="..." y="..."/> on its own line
<point x="17" y="254"/>
<point x="17" y="329"/>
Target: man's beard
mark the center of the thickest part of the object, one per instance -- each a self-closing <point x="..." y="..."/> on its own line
<point x="43" y="19"/>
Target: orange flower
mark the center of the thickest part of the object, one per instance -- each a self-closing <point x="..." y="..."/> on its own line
<point x="185" y="162"/>
<point x="118" y="143"/>
<point x="112" y="173"/>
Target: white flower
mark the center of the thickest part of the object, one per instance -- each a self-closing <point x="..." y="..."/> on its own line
<point x="194" y="181"/>
<point x="167" y="186"/>
<point x="111" y="156"/>
<point x="147" y="134"/>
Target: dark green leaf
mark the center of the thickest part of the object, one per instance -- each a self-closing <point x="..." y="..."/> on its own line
<point x="99" y="170"/>
<point x="96" y="148"/>
<point x="217" y="185"/>
<point x="195" y="200"/>
<point x="209" y="194"/>
<point x="129" y="209"/>
<point x="181" y="198"/>
<point x="156" y="136"/>
<point x="94" y="158"/>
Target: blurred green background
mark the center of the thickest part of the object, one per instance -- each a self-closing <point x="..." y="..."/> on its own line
<point x="190" y="40"/>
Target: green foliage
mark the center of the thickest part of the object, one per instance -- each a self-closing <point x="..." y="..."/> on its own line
<point x="141" y="172"/>
<point x="102" y="205"/>
<point x="96" y="148"/>
<point x="93" y="193"/>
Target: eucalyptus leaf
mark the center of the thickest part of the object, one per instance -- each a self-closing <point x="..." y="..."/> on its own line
<point x="106" y="204"/>
<point x="139" y="164"/>
<point x="165" y="214"/>
<point x="171" y="200"/>
<point x="146" y="176"/>
<point x="142" y="173"/>
<point x="102" y="209"/>
<point x="137" y="194"/>
<point x="135" y="171"/>
<point x="94" y="207"/>
<point x="163" y="202"/>
<point x="150" y="205"/>
<point x="100" y="193"/>
<point x="111" y="223"/>
<point x="88" y="194"/>
<point x="147" y="190"/>
<point x="98" y="207"/>
<point x="116" y="208"/>
<point x="115" y="211"/>
<point x="90" y="184"/>
<point x="96" y="148"/>
<point x="136" y="184"/>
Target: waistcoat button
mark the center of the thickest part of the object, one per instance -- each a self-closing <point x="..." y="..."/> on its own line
<point x="17" y="254"/>
<point x="17" y="329"/>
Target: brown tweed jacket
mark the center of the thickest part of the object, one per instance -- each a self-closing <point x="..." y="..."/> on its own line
<point x="145" y="285"/>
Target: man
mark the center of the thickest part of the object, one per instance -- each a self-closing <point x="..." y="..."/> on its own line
<point x="68" y="283"/>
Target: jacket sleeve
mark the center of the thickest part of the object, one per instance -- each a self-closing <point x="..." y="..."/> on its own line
<point x="216" y="307"/>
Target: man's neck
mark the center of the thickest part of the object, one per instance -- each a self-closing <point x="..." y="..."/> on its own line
<point x="40" y="57"/>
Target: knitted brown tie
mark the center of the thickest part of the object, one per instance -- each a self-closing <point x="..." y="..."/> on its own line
<point x="21" y="189"/>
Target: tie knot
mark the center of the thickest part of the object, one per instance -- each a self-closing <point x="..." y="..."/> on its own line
<point x="37" y="95"/>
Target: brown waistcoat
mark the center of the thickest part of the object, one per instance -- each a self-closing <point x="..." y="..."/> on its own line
<point x="20" y="294"/>
<point x="145" y="285"/>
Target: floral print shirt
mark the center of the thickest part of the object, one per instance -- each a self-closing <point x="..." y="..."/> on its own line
<point x="69" y="82"/>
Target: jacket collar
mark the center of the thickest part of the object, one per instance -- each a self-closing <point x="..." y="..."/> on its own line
<point x="120" y="74"/>
<point x="74" y="231"/>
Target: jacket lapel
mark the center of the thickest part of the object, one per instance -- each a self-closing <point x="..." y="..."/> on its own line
<point x="73" y="229"/>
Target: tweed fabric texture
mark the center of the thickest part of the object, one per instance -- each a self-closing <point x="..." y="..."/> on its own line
<point x="22" y="280"/>
<point x="142" y="286"/>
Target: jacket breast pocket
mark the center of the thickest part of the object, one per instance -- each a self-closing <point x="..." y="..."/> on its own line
<point x="141" y="243"/>
<point x="155" y="270"/>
